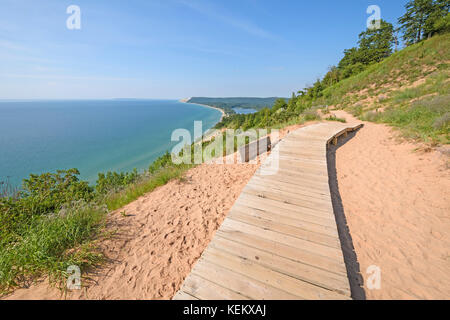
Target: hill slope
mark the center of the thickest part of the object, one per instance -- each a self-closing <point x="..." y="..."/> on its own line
<point x="409" y="90"/>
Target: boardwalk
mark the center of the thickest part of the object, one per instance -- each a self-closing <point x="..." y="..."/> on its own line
<point x="280" y="239"/>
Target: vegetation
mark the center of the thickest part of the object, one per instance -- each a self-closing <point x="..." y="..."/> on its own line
<point x="374" y="77"/>
<point x="424" y="18"/>
<point x="53" y="220"/>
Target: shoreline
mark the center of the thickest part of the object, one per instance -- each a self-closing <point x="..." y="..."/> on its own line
<point x="204" y="105"/>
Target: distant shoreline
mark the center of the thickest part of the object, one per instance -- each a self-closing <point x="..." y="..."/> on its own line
<point x="204" y="105"/>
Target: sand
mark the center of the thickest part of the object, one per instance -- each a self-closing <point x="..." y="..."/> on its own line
<point x="395" y="198"/>
<point x="162" y="236"/>
<point x="397" y="204"/>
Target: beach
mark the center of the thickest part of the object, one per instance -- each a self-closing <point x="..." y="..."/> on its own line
<point x="204" y="105"/>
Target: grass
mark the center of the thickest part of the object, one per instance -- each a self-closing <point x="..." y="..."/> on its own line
<point x="50" y="244"/>
<point x="42" y="235"/>
<point x="420" y="112"/>
<point x="46" y="244"/>
<point x="121" y="198"/>
<point x="334" y="118"/>
<point x="426" y="120"/>
<point x="405" y="66"/>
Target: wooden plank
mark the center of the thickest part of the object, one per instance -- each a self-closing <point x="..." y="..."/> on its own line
<point x="289" y="198"/>
<point x="299" y="179"/>
<point x="203" y="289"/>
<point x="291" y="220"/>
<point x="307" y="273"/>
<point x="254" y="149"/>
<point x="239" y="283"/>
<point x="282" y="250"/>
<point x="296" y="184"/>
<point x="181" y="295"/>
<point x="308" y="214"/>
<point x="273" y="278"/>
<point x="290" y="230"/>
<point x="283" y="186"/>
<point x="320" y="249"/>
<point x="259" y="205"/>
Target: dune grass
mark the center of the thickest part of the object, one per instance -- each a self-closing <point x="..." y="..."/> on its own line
<point x="43" y="247"/>
<point x="42" y="232"/>
<point x="409" y="91"/>
<point x="123" y="197"/>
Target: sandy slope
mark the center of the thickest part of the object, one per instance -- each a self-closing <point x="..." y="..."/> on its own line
<point x="397" y="204"/>
<point x="163" y="234"/>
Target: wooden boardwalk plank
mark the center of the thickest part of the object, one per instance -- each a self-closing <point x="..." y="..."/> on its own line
<point x="269" y="276"/>
<point x="239" y="283"/>
<point x="307" y="273"/>
<point x="280" y="239"/>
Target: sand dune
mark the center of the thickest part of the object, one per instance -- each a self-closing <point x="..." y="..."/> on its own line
<point x="161" y="237"/>
<point x="396" y="201"/>
<point x="397" y="204"/>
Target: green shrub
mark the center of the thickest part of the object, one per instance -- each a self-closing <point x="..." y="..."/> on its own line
<point x="51" y="243"/>
<point x="162" y="162"/>
<point x="47" y="192"/>
<point x="425" y="119"/>
<point x="334" y="118"/>
<point x="113" y="181"/>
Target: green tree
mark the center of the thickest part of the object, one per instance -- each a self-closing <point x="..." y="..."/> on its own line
<point x="438" y="20"/>
<point x="376" y="44"/>
<point x="279" y="104"/>
<point x="413" y="22"/>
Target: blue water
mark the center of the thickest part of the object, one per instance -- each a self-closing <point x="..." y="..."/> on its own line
<point x="92" y="136"/>
<point x="244" y="111"/>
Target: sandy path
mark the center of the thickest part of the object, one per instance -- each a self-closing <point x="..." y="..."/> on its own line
<point x="397" y="204"/>
<point x="161" y="237"/>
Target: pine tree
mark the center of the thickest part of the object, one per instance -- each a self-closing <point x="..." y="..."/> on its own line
<point x="413" y="22"/>
<point x="376" y="44"/>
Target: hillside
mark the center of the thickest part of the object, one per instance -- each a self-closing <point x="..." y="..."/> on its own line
<point x="409" y="90"/>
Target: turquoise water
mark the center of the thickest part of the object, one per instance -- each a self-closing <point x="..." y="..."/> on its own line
<point x="92" y="136"/>
<point x="244" y="110"/>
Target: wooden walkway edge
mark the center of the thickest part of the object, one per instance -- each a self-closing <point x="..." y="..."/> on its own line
<point x="280" y="240"/>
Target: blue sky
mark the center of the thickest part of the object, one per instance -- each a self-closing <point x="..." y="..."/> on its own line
<point x="175" y="48"/>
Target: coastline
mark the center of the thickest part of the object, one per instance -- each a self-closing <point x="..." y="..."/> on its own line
<point x="204" y="105"/>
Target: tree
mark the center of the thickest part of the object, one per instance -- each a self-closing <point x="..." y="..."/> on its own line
<point x="279" y="104"/>
<point x="438" y="19"/>
<point x="413" y="22"/>
<point x="442" y="25"/>
<point x="292" y="102"/>
<point x="376" y="44"/>
<point x="332" y="76"/>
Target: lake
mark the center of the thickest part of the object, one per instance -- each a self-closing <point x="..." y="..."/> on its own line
<point x="244" y="110"/>
<point x="92" y="136"/>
